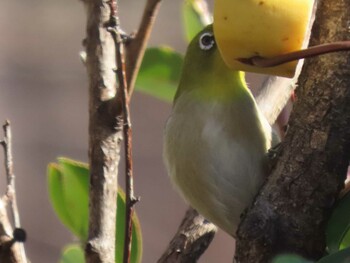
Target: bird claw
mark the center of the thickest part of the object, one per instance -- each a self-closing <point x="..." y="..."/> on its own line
<point x="272" y="154"/>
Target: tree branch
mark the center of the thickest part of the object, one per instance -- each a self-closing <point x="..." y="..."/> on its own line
<point x="11" y="189"/>
<point x="192" y="238"/>
<point x="291" y="211"/>
<point x="106" y="119"/>
<point x="137" y="46"/>
<point x="10" y="249"/>
<point x="313" y="51"/>
<point x="105" y="133"/>
<point x="123" y="87"/>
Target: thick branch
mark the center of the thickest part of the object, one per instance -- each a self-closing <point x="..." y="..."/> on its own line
<point x="291" y="210"/>
<point x="105" y="133"/>
<point x="105" y="123"/>
<point x="191" y="240"/>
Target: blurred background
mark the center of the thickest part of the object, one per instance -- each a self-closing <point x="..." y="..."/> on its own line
<point x="43" y="92"/>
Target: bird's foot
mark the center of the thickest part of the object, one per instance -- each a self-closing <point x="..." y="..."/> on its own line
<point x="272" y="155"/>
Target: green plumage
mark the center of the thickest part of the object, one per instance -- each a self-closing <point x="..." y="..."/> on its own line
<point x="216" y="139"/>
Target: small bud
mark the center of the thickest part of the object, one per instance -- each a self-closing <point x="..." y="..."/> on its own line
<point x="19" y="235"/>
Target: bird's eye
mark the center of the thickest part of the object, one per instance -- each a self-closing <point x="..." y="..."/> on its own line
<point x="206" y="41"/>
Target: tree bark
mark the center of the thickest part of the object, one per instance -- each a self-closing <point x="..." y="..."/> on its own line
<point x="106" y="120"/>
<point x="291" y="210"/>
<point x="105" y="133"/>
<point x="9" y="251"/>
<point x="191" y="240"/>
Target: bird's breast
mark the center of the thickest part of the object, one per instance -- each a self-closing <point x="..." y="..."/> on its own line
<point x="215" y="155"/>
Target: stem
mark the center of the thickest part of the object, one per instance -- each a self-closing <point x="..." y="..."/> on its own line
<point x="10" y="192"/>
<point x="137" y="46"/>
<point x="11" y="189"/>
<point x="123" y="87"/>
<point x="105" y="120"/>
<point x="105" y="134"/>
<point x="262" y="62"/>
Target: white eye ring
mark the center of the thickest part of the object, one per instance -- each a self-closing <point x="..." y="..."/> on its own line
<point x="206" y="41"/>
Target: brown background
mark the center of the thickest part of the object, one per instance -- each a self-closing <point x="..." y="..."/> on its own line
<point x="43" y="91"/>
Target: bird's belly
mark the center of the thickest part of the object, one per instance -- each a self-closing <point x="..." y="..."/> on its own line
<point x="216" y="171"/>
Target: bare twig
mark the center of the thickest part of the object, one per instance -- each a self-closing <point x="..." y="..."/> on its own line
<point x="121" y="77"/>
<point x="11" y="191"/>
<point x="262" y="62"/>
<point x="137" y="46"/>
<point x="192" y="238"/>
<point x="10" y="196"/>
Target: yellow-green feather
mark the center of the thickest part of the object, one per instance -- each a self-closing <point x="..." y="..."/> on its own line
<point x="216" y="139"/>
<point x="216" y="79"/>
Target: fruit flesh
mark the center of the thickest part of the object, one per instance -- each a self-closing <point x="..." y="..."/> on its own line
<point x="266" y="28"/>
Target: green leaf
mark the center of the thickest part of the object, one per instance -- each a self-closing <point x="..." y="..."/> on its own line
<point x="290" y="258"/>
<point x="338" y="224"/>
<point x="195" y="16"/>
<point x="68" y="191"/>
<point x="72" y="253"/>
<point x="345" y="243"/>
<point x="56" y="196"/>
<point x="160" y="73"/>
<point x="68" y="183"/>
<point x="76" y="191"/>
<point x="342" y="256"/>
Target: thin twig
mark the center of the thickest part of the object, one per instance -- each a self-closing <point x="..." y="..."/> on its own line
<point x="123" y="87"/>
<point x="262" y="62"/>
<point x="137" y="46"/>
<point x="11" y="190"/>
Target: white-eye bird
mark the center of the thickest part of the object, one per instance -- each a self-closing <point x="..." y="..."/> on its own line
<point x="216" y="139"/>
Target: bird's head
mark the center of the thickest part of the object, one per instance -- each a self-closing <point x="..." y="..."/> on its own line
<point x="204" y="67"/>
<point x="202" y="54"/>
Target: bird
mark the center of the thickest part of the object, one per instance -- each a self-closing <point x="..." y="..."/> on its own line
<point x="216" y="139"/>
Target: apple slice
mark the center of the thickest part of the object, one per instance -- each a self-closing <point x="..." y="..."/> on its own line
<point x="264" y="28"/>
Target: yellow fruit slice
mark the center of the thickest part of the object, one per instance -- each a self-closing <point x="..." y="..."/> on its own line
<point x="266" y="28"/>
